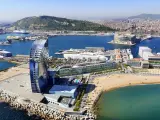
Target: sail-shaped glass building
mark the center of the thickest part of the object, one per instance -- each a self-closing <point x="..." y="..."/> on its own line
<point x="38" y="66"/>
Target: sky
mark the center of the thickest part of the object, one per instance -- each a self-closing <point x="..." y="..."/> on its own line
<point x="12" y="10"/>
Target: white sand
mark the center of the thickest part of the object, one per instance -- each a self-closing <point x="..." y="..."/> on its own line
<point x="115" y="81"/>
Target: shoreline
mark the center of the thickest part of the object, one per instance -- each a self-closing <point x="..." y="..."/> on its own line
<point x="121" y="44"/>
<point x="5" y="69"/>
<point x="156" y="83"/>
<point x="108" y="83"/>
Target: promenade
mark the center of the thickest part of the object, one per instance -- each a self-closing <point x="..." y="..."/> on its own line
<point x="14" y="71"/>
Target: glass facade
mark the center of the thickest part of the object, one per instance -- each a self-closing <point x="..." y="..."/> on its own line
<point x="51" y="75"/>
<point x="39" y="65"/>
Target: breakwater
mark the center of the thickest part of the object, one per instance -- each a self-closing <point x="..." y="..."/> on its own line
<point x="39" y="109"/>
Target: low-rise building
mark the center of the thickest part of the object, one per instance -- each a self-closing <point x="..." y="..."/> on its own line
<point x="136" y="62"/>
<point x="64" y="90"/>
<point x="86" y="68"/>
<point x="144" y="52"/>
<point x="144" y="64"/>
<point x="154" y="61"/>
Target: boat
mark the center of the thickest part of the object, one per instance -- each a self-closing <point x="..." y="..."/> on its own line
<point x="149" y="37"/>
<point x="13" y="38"/>
<point x="5" y="53"/>
<point x="20" y="32"/>
<point x="5" y="43"/>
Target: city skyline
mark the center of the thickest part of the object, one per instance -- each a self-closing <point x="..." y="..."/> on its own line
<point x="12" y="10"/>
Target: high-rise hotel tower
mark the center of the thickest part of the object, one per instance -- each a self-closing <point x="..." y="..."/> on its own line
<point x="38" y="65"/>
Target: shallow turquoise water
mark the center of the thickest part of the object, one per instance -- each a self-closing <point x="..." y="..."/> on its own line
<point x="5" y="65"/>
<point x="131" y="103"/>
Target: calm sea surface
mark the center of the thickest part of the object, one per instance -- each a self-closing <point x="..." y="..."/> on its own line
<point x="130" y="103"/>
<point x="5" y="65"/>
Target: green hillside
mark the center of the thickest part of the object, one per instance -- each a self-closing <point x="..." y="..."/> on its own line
<point x="56" y="23"/>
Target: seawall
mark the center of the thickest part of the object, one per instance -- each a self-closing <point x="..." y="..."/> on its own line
<point x="39" y="109"/>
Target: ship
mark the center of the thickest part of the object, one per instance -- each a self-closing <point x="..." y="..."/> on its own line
<point x="13" y="37"/>
<point x="5" y="53"/>
<point x="89" y="53"/>
<point x="20" y="32"/>
<point x="149" y="37"/>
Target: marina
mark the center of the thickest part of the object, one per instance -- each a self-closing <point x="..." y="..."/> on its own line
<point x="125" y="53"/>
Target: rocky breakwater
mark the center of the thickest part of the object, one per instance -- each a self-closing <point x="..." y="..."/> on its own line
<point x="39" y="109"/>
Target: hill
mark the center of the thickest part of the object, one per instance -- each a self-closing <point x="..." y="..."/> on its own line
<point x="5" y="24"/>
<point x="146" y="16"/>
<point x="56" y="23"/>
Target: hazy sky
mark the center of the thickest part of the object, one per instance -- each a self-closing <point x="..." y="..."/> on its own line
<point x="11" y="10"/>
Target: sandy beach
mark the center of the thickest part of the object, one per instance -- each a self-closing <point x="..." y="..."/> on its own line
<point x="107" y="83"/>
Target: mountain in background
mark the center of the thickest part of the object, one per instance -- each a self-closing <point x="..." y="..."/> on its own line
<point x="5" y="24"/>
<point x="57" y="23"/>
<point x="146" y="16"/>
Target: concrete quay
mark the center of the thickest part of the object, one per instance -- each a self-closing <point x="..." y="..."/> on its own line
<point x="15" y="89"/>
<point x="39" y="109"/>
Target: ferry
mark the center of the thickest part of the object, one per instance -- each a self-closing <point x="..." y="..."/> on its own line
<point x="89" y="53"/>
<point x="5" y="53"/>
<point x="20" y="32"/>
<point x="149" y="37"/>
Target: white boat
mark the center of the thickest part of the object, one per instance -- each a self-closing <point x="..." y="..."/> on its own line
<point x="149" y="37"/>
<point x="5" y="53"/>
<point x="20" y="31"/>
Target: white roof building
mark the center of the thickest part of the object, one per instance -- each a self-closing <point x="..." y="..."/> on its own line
<point x="145" y="52"/>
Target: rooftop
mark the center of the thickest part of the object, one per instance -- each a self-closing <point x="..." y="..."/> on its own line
<point x="63" y="89"/>
<point x="144" y="48"/>
<point x="52" y="96"/>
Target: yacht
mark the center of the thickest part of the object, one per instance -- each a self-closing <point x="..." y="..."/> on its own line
<point x="149" y="37"/>
<point x="20" y="31"/>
